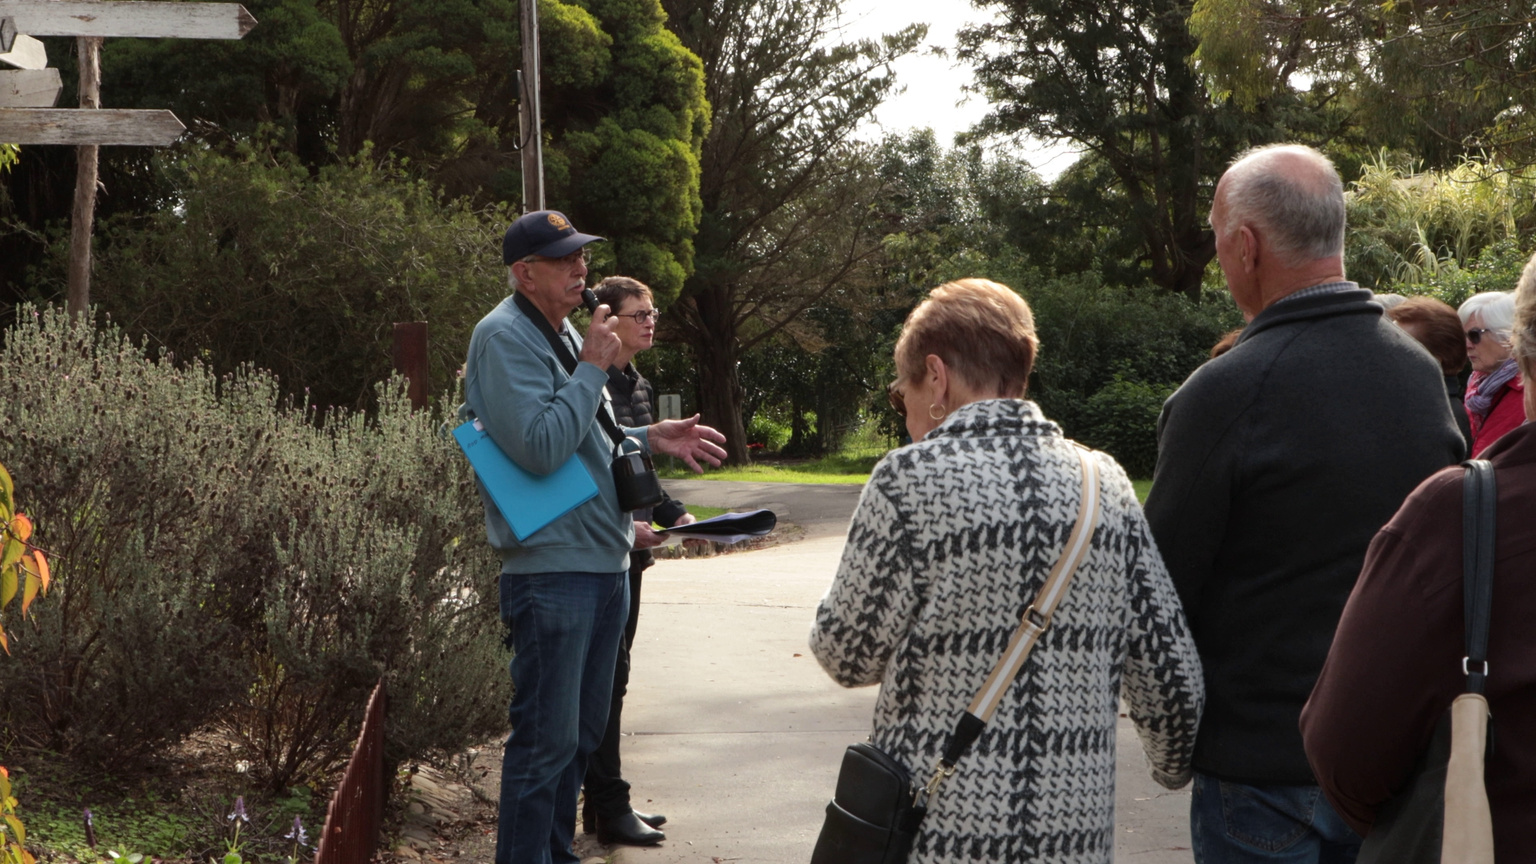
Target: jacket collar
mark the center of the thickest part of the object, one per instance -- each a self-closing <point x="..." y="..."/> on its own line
<point x="623" y="380"/>
<point x="990" y="418"/>
<point x="1355" y="301"/>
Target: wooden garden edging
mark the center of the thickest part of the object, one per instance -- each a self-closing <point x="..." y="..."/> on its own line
<point x="352" y="821"/>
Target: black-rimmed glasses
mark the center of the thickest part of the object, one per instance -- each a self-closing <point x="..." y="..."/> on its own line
<point x="1475" y="335"/>
<point x="641" y="316"/>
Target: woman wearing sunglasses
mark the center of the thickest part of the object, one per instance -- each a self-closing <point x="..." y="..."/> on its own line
<point x="1495" y="394"/>
<point x="952" y="541"/>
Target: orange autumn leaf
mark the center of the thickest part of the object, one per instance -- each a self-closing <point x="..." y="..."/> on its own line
<point x="21" y="526"/>
<point x="29" y="585"/>
<point x="4" y="642"/>
<point x="42" y="569"/>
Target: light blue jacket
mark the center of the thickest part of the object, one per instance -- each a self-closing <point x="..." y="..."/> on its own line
<point x="539" y="416"/>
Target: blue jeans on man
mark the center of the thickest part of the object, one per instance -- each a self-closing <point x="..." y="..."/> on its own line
<point x="566" y="629"/>
<point x="1234" y="823"/>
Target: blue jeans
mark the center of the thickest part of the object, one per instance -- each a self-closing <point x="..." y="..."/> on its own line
<point x="1232" y="823"/>
<point x="566" y="629"/>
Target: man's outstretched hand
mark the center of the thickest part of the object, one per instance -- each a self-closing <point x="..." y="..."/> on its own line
<point x="688" y="440"/>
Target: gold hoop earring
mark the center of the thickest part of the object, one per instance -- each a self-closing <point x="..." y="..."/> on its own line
<point x="942" y="411"/>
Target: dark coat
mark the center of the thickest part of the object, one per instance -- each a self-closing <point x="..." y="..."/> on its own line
<point x="1395" y="665"/>
<point x="633" y="397"/>
<point x="1277" y="463"/>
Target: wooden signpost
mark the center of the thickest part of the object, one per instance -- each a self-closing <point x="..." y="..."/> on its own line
<point x="29" y="90"/>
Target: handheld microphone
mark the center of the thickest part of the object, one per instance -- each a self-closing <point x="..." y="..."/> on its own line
<point x="589" y="299"/>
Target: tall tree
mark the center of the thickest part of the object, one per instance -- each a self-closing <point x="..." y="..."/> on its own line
<point x="785" y="190"/>
<point x="1394" y="63"/>
<point x="433" y="81"/>
<point x="1116" y="80"/>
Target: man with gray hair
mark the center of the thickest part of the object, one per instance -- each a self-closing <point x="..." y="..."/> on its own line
<point x="1277" y="463"/>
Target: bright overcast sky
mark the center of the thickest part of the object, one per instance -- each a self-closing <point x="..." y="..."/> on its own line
<point x="934" y="95"/>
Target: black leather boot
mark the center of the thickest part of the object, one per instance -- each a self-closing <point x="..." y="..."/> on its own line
<point x="655" y="820"/>
<point x="628" y="830"/>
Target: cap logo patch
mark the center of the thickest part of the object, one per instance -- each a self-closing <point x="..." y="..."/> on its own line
<point x="558" y="222"/>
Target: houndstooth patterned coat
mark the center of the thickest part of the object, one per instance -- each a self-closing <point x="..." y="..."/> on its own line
<point x="952" y="540"/>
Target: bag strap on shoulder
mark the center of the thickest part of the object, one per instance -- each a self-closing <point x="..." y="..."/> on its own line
<point x="1036" y="620"/>
<point x="1479" y="511"/>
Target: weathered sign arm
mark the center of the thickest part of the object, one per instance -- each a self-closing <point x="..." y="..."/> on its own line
<point x="29" y="88"/>
<point x="140" y="18"/>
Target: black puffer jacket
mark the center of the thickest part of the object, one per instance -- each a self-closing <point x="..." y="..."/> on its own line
<point x="633" y="397"/>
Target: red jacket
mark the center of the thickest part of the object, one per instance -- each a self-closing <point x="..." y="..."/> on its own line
<point x="1507" y="413"/>
<point x="1395" y="663"/>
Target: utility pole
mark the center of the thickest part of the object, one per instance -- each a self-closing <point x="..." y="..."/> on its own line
<point x="529" y="125"/>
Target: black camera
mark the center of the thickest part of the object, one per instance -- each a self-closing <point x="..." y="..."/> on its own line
<point x="634" y="478"/>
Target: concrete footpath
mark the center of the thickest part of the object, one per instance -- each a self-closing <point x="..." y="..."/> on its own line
<point x="732" y="729"/>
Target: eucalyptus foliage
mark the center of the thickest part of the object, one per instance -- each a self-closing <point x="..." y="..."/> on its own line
<point x="786" y="192"/>
<point x="1442" y="79"/>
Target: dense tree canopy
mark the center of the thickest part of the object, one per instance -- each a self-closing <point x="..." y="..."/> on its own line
<point x="433" y="82"/>
<point x="1393" y="64"/>
<point x="1117" y="80"/>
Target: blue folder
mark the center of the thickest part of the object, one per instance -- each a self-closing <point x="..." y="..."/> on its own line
<point x="527" y="501"/>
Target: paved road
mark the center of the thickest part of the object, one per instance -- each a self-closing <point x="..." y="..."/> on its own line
<point x="735" y="732"/>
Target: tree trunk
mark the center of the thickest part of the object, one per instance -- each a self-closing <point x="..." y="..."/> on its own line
<point x="83" y="216"/>
<point x="720" y="394"/>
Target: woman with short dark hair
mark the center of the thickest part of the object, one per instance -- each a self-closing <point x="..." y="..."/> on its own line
<point x="952" y="540"/>
<point x="1437" y="327"/>
<point x="606" y="809"/>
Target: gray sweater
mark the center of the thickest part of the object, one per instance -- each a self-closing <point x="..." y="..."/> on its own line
<point x="1277" y="463"/>
<point x="541" y="416"/>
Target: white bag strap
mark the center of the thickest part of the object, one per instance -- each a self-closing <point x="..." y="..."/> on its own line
<point x="1036" y="620"/>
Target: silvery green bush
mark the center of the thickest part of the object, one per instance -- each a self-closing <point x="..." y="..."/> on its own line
<point x="223" y="557"/>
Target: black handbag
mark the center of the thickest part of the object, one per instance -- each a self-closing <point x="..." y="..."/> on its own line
<point x="1443" y="811"/>
<point x="875" y="813"/>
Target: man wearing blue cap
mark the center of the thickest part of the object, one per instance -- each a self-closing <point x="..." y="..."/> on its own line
<point x="564" y="593"/>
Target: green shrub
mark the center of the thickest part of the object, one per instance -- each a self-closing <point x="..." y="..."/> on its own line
<point x="1093" y="335"/>
<point x="772" y="433"/>
<point x="259" y="262"/>
<point x="218" y="555"/>
<point x="1496" y="268"/>
<point x="1121" y="420"/>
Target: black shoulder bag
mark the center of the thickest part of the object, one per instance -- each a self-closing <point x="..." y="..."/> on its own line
<point x="1442" y="814"/>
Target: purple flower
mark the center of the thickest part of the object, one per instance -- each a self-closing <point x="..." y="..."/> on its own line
<point x="239" y="812"/>
<point x="297" y="835"/>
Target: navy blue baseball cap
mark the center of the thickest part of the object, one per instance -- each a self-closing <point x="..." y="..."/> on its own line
<point x="546" y="233"/>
